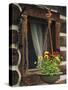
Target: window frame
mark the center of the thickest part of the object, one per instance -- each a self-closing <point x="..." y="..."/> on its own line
<point x="25" y="68"/>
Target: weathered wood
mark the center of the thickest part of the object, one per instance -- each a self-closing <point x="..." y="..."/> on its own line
<point x="32" y="80"/>
<point x="31" y="77"/>
<point x="39" y="12"/>
<point x="24" y="43"/>
<point x="13" y="36"/>
<point x="63" y="54"/>
<point x="62" y="80"/>
<point x="57" y="34"/>
<point x="14" y="14"/>
<point x="14" y="61"/>
<point x="63" y="67"/>
<point x="14" y="78"/>
<point x="63" y="27"/>
<point x="62" y="41"/>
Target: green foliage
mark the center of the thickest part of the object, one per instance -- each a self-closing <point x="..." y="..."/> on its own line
<point x="49" y="66"/>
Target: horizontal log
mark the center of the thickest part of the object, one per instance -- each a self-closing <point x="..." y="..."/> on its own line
<point x="63" y="27"/>
<point x="13" y="57"/>
<point x="63" y="54"/>
<point x="63" y="67"/>
<point x="62" y="41"/>
<point x="13" y="37"/>
<point x="14" y="14"/>
<point x="32" y="80"/>
<point x="13" y="77"/>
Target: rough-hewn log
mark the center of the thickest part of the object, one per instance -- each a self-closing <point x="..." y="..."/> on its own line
<point x="62" y="41"/>
<point x="57" y="34"/>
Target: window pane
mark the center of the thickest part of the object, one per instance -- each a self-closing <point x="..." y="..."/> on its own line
<point x="38" y="40"/>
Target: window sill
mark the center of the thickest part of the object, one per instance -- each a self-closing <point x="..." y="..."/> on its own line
<point x="32" y="72"/>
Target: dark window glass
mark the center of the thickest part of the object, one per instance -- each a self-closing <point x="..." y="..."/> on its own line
<point x="38" y="40"/>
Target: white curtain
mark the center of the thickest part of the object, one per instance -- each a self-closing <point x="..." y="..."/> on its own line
<point x="39" y="41"/>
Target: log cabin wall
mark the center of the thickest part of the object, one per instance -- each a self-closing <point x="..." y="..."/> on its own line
<point x="14" y="45"/>
<point x="18" y="18"/>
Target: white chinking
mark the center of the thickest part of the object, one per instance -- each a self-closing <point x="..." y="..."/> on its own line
<point x="62" y="48"/>
<point x="62" y="34"/>
<point x="15" y="67"/>
<point x="14" y="27"/>
<point x="18" y="6"/>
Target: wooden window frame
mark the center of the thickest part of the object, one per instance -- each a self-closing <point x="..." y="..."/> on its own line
<point x="25" y="43"/>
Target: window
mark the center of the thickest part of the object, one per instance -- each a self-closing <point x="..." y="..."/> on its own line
<point x="38" y="39"/>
